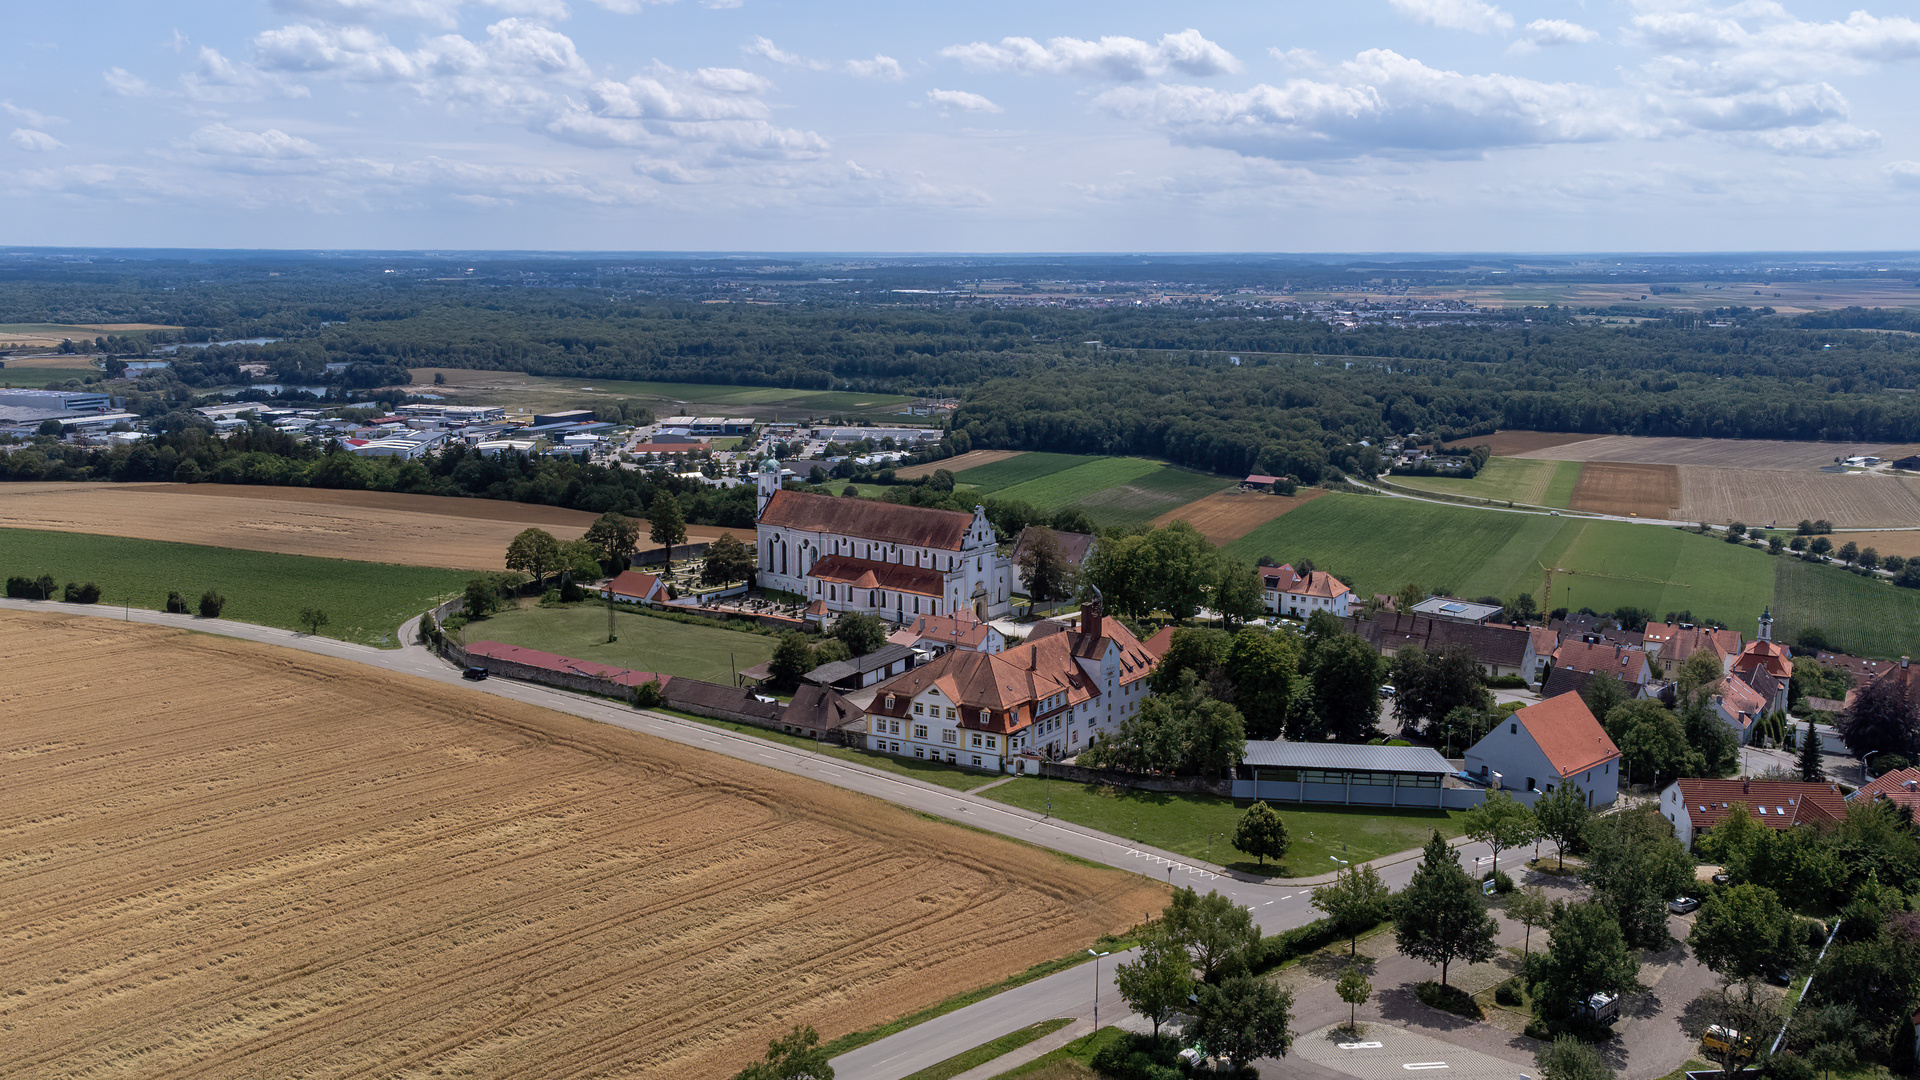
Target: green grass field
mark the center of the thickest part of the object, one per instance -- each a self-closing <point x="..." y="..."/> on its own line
<point x="1520" y="480"/>
<point x="1147" y="497"/>
<point x="37" y="377"/>
<point x="646" y="643"/>
<point x="1018" y="470"/>
<point x="1384" y="543"/>
<point x="364" y="602"/>
<point x="1049" y="493"/>
<point x="933" y="772"/>
<point x="542" y="393"/>
<point x="1858" y="615"/>
<point x="1114" y="492"/>
<point x="1201" y="826"/>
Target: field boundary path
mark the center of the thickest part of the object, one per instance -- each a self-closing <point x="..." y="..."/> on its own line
<point x="1274" y="904"/>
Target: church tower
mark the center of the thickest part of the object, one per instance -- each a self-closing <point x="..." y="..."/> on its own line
<point x="1766" y="624"/>
<point x="769" y="483"/>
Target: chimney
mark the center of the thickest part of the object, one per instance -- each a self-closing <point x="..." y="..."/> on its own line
<point x="1091" y="613"/>
<point x="1746" y="786"/>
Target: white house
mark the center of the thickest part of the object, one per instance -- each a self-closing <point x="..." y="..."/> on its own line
<point x="634" y="587"/>
<point x="941" y="633"/>
<point x="1693" y="806"/>
<point x="1300" y="595"/>
<point x="897" y="562"/>
<point x="1543" y="746"/>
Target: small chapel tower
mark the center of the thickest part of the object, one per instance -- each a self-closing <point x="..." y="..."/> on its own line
<point x="1766" y="624"/>
<point x="769" y="483"/>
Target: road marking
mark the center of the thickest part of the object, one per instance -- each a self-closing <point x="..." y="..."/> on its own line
<point x="1425" y="1065"/>
<point x="1360" y="1046"/>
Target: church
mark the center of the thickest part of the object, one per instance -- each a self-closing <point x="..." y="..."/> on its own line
<point x="897" y="562"/>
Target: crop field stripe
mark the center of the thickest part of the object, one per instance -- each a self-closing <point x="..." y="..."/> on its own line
<point x="1018" y="470"/>
<point x="1566" y="477"/>
<point x="1050" y="493"/>
<point x="1628" y="490"/>
<point x="1860" y="616"/>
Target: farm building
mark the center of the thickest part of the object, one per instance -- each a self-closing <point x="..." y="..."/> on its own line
<point x="1694" y="805"/>
<point x="860" y="672"/>
<point x="1500" y="650"/>
<point x="634" y="587"/>
<point x="1348" y="775"/>
<point x="1543" y="746"/>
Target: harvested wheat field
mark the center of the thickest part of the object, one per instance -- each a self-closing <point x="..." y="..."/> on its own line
<point x="1770" y="497"/>
<point x="224" y="859"/>
<point x="1727" y="453"/>
<point x="369" y="526"/>
<point x="1904" y="542"/>
<point x="969" y="460"/>
<point x="1233" y="513"/>
<point x="1648" y="491"/>
<point x="1521" y="443"/>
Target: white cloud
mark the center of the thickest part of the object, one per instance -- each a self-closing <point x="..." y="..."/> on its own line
<point x="962" y="100"/>
<point x="765" y="47"/>
<point x="718" y="113"/>
<point x="31" y="116"/>
<point x="1378" y="103"/>
<point x="216" y="78"/>
<point x="439" y="12"/>
<point x="1121" y="59"/>
<point x="1903" y="173"/>
<point x="1546" y="33"/>
<point x="1826" y="140"/>
<point x="880" y="67"/>
<point x="269" y="145"/>
<point x="1475" y="15"/>
<point x="1751" y="46"/>
<point x="125" y="83"/>
<point x="38" y="142"/>
<point x="722" y="5"/>
<point x="351" y="52"/>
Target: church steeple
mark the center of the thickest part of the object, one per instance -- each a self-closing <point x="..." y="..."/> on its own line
<point x="769" y="482"/>
<point x="1766" y="624"/>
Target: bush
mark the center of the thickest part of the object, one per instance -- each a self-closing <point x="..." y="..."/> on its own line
<point x="1507" y="682"/>
<point x="571" y="592"/>
<point x="1505" y="994"/>
<point x="647" y="695"/>
<point x="21" y="588"/>
<point x="1139" y="1056"/>
<point x="1886" y="762"/>
<point x="1501" y="882"/>
<point x="1447" y="999"/>
<point x="211" y="604"/>
<point x="77" y="593"/>
<point x="176" y="604"/>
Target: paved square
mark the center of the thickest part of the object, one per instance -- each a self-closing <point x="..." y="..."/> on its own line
<point x="1403" y="1055"/>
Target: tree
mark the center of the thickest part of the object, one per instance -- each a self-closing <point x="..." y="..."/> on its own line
<point x="211" y="604"/>
<point x="1530" y="908"/>
<point x="1199" y="649"/>
<point x="1745" y="932"/>
<point x="1589" y="955"/>
<point x="1264" y="667"/>
<point x="1567" y="1058"/>
<point x="1183" y="569"/>
<point x="1187" y="731"/>
<point x="1522" y="608"/>
<point x="1635" y="866"/>
<point x="1869" y="558"/>
<point x="796" y="1056"/>
<point x="792" y="658"/>
<point x="579" y="561"/>
<point x="1561" y="816"/>
<point x="1848" y="552"/>
<point x="667" y="523"/>
<point x="727" y="560"/>
<point x="1355" y="900"/>
<point x="1881" y="718"/>
<point x="1410" y="594"/>
<point x="1749" y="1009"/>
<point x="1442" y="915"/>
<point x="1820" y="545"/>
<point x="1702" y="669"/>
<point x="1429" y="685"/>
<point x="1216" y="932"/>
<point x="1243" y="1018"/>
<point x="534" y="551"/>
<point x="615" y="535"/>
<point x="1345" y="687"/>
<point x="1238" y="593"/>
<point x="1158" y="984"/>
<point x="312" y="618"/>
<point x="1262" y="834"/>
<point x="44" y="585"/>
<point x="1652" y="741"/>
<point x="1501" y="823"/>
<point x="1811" y="771"/>
<point x="481" y="598"/>
<point x="176" y="603"/>
<point x="1354" y="989"/>
<point x="1044" y="567"/>
<point x="863" y="633"/>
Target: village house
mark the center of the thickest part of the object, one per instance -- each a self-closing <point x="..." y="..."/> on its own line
<point x="634" y="587"/>
<point x="1738" y="706"/>
<point x="1048" y="697"/>
<point x="1590" y="656"/>
<point x="936" y="634"/>
<point x="1766" y="657"/>
<point x="1300" y="595"/>
<point x="896" y="562"/>
<point x="1694" y="805"/>
<point x="1500" y="650"/>
<point x="1673" y="644"/>
<point x="1543" y="746"/>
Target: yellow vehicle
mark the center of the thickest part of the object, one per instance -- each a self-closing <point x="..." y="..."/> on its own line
<point x="1723" y="1040"/>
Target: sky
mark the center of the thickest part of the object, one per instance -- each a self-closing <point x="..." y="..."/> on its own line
<point x="987" y="126"/>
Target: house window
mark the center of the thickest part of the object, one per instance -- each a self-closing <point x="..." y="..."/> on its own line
<point x="919" y="709"/>
<point x="976" y="761"/>
<point x="919" y="731"/>
<point x="1513" y="729"/>
<point x="949" y="735"/>
<point x="1530" y="784"/>
<point x="949" y="714"/>
<point x="990" y="743"/>
<point x="893" y="727"/>
<point x="953" y="757"/>
<point x="919" y="753"/>
<point x="890" y="703"/>
<point x="976" y="738"/>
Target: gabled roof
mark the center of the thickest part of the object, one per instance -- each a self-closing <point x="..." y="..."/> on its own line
<point x="1628" y="664"/>
<point x="1769" y="654"/>
<point x="1565" y="681"/>
<point x="1319" y="583"/>
<point x="992" y="691"/>
<point x="498" y="650"/>
<point x="959" y="631"/>
<point x="1678" y="642"/>
<point x="835" y="670"/>
<point x="632" y="583"/>
<point x="872" y="574"/>
<point x="1900" y="787"/>
<point x="1740" y="700"/>
<point x="1095" y="635"/>
<point x="1776" y="804"/>
<point x="1544" y="640"/>
<point x="1073" y="546"/>
<point x="1504" y="646"/>
<point x="887" y="523"/>
<point x="1567" y="734"/>
<point x="819" y="709"/>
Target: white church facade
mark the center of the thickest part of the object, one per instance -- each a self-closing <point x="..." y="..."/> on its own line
<point x="885" y="559"/>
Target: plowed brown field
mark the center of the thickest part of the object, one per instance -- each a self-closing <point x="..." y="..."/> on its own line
<point x="1727" y="453"/>
<point x="1627" y="490"/>
<point x="1904" y="543"/>
<point x="1768" y="497"/>
<point x="371" y="526"/>
<point x="1232" y="514"/>
<point x="220" y="859"/>
<point x="970" y="459"/>
<point x="1518" y="443"/>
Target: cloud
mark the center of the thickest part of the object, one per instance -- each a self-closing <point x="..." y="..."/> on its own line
<point x="519" y="66"/>
<point x="1475" y="15"/>
<point x="269" y="145"/>
<point x="1120" y="59"/>
<point x="1378" y="103"/>
<point x="1903" y="173"/>
<point x="962" y="100"/>
<point x="719" y="113"/>
<point x="216" y="78"/>
<point x="125" y="83"/>
<point x="38" y="142"/>
<point x="880" y="67"/>
<point x="1546" y="33"/>
<point x="1758" y="45"/>
<point x="440" y="12"/>
<point x="31" y="116"/>
<point x="1827" y="140"/>
<point x="765" y="47"/>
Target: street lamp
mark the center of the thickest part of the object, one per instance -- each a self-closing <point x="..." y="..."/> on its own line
<point x="1338" y="859"/>
<point x="1096" y="985"/>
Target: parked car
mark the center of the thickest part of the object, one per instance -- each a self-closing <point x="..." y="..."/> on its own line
<point x="1680" y="905"/>
<point x="474" y="672"/>
<point x="1722" y="879"/>
<point x="1387" y="690"/>
<point x="1723" y="1040"/>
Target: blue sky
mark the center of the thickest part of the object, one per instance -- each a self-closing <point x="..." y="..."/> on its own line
<point x="767" y="125"/>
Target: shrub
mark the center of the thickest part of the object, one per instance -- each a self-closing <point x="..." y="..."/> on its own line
<point x="21" y="588"/>
<point x="1447" y="999"/>
<point x="77" y="593"/>
<point x="211" y="604"/>
<point x="1883" y="763"/>
<point x="1501" y="882"/>
<point x="647" y="695"/>
<point x="551" y="596"/>
<point x="1505" y="994"/>
<point x="1507" y="682"/>
<point x="176" y="604"/>
<point x="1139" y="1056"/>
<point x="571" y="592"/>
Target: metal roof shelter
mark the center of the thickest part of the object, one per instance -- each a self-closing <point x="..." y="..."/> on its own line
<point x="1409" y="777"/>
<point x="1303" y="755"/>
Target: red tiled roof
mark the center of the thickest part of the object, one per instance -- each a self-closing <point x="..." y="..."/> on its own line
<point x="632" y="583"/>
<point x="1312" y="583"/>
<point x="962" y="631"/>
<point x="993" y="691"/>
<point x="868" y="574"/>
<point x="888" y="523"/>
<point x="1741" y="700"/>
<point x="1626" y="663"/>
<point x="1770" y="654"/>
<point x="1568" y="734"/>
<point x="1785" y="802"/>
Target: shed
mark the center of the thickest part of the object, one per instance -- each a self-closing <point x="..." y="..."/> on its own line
<point x="1348" y="774"/>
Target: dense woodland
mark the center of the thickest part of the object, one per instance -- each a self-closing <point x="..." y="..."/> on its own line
<point x="1220" y="385"/>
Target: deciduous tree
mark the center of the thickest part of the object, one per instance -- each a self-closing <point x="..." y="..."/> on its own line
<point x="1562" y="815"/>
<point x="1261" y="834"/>
<point x="1442" y="916"/>
<point x="667" y="523"/>
<point x="1345" y="687"/>
<point x="727" y="560"/>
<point x="1745" y="932"/>
<point x="797" y="1055"/>
<point x="1530" y="908"/>
<point x="1501" y="823"/>
<point x="1355" y="900"/>
<point x="863" y="633"/>
<point x="1354" y="989"/>
<point x="792" y="658"/>
<point x="1243" y="1018"/>
<point x="1635" y="866"/>
<point x="1429" y="685"/>
<point x="1216" y="932"/>
<point x="1567" y="1058"/>
<point x="1238" y="593"/>
<point x="534" y="551"/>
<point x="1589" y="955"/>
<point x="1048" y="574"/>
<point x="1158" y="983"/>
<point x="615" y="535"/>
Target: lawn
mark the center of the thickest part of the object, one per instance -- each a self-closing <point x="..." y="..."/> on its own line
<point x="1378" y="545"/>
<point x="990" y="1051"/>
<point x="35" y="377"/>
<point x="933" y="772"/>
<point x="1504" y="479"/>
<point x="1018" y="470"/>
<point x="1566" y="475"/>
<point x="1049" y="493"/>
<point x="1858" y="615"/>
<point x="1201" y="826"/>
<point x="645" y="643"/>
<point x="1144" y="498"/>
<point x="364" y="602"/>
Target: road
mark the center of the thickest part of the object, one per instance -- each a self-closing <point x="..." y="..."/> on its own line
<point x="1275" y="905"/>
